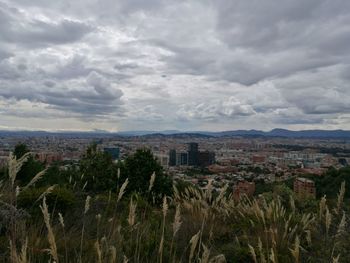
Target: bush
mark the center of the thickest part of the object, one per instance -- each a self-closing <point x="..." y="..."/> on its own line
<point x="60" y="198"/>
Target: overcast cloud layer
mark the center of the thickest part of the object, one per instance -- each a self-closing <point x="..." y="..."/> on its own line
<point x="164" y="64"/>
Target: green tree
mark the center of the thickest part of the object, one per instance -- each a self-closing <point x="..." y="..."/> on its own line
<point x="98" y="171"/>
<point x="30" y="168"/>
<point x="20" y="150"/>
<point x="139" y="167"/>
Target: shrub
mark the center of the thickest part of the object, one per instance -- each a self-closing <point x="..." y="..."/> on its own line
<point x="60" y="198"/>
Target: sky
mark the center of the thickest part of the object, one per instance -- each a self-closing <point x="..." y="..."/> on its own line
<point x="187" y="65"/>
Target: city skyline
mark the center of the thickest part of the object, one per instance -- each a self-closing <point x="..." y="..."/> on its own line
<point x="174" y="65"/>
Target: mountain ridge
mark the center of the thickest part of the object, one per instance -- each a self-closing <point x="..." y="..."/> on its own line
<point x="277" y="132"/>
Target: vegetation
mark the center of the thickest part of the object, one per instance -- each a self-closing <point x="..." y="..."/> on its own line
<point x="140" y="217"/>
<point x="331" y="180"/>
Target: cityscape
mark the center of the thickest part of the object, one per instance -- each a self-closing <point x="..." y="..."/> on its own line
<point x="187" y="131"/>
<point x="233" y="160"/>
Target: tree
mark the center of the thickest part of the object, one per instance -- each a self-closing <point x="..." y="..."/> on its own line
<point x="20" y="150"/>
<point x="30" y="168"/>
<point x="139" y="167"/>
<point x="98" y="172"/>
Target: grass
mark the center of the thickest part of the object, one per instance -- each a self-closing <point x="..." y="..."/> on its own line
<point x="190" y="226"/>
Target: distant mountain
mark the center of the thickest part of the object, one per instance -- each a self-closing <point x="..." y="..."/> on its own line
<point x="341" y="134"/>
<point x="289" y="133"/>
<point x="142" y="133"/>
<point x="311" y="133"/>
<point x="179" y="135"/>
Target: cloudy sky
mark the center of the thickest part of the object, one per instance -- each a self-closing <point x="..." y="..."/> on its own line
<point x="174" y="64"/>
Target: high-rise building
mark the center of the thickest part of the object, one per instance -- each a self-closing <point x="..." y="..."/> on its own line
<point x="182" y="158"/>
<point x="193" y="147"/>
<point x="172" y="157"/>
<point x="193" y="154"/>
<point x="206" y="158"/>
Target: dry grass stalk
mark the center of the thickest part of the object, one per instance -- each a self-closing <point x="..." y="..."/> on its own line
<point x="193" y="242"/>
<point x="122" y="189"/>
<point x="132" y="213"/>
<point x="252" y="252"/>
<point x="14" y="166"/>
<point x="336" y="259"/>
<point x="98" y="251"/>
<point x="273" y="256"/>
<point x="151" y="181"/>
<point x="17" y="191"/>
<point x="113" y="252"/>
<point x="342" y="225"/>
<point x="13" y="251"/>
<point x="86" y="209"/>
<point x="118" y="173"/>
<point x="261" y="253"/>
<point x="218" y="259"/>
<point x="165" y="206"/>
<point x="161" y="245"/>
<point x="205" y="254"/>
<point x="177" y="220"/>
<point x="322" y="207"/>
<point x="328" y="220"/>
<point x="296" y="250"/>
<point x="60" y="219"/>
<point x="23" y="258"/>
<point x="340" y="197"/>
<point x="50" y="235"/>
<point x="87" y="204"/>
<point x="47" y="191"/>
<point x="36" y="178"/>
<point x="292" y="203"/>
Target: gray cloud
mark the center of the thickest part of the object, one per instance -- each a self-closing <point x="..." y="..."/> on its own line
<point x="16" y="27"/>
<point x="93" y="98"/>
<point x="176" y="64"/>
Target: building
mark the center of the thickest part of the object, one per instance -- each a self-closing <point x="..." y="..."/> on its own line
<point x="215" y="168"/>
<point x="172" y="157"/>
<point x="258" y="159"/>
<point x="182" y="158"/>
<point x="304" y="187"/>
<point x="177" y="158"/>
<point x="48" y="158"/>
<point x="206" y="158"/>
<point x="243" y="188"/>
<point x="193" y="154"/>
<point x="163" y="159"/>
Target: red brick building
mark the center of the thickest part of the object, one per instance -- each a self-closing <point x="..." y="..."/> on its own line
<point x="258" y="159"/>
<point x="304" y="187"/>
<point x="48" y="158"/>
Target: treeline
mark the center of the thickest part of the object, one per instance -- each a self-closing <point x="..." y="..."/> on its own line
<point x="96" y="173"/>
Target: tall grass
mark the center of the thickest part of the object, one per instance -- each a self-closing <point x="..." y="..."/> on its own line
<point x="190" y="226"/>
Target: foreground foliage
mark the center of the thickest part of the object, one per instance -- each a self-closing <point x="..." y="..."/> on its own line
<point x="190" y="225"/>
